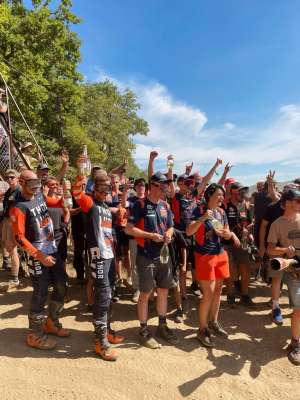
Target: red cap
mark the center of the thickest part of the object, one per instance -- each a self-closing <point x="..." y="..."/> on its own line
<point x="229" y="181"/>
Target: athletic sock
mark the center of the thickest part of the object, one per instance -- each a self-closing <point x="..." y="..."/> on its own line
<point x="162" y="320"/>
<point x="275" y="304"/>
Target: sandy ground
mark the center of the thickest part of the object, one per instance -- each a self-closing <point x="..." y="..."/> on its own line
<point x="252" y="364"/>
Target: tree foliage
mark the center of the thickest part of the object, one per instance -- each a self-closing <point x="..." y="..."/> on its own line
<point x="39" y="57"/>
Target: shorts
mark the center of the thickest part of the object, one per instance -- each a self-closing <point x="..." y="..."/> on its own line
<point x="238" y="255"/>
<point x="210" y="267"/>
<point x="152" y="274"/>
<point x="7" y="233"/>
<point x="293" y="285"/>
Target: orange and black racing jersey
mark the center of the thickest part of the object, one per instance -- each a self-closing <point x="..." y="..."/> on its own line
<point x="32" y="225"/>
<point x="98" y="224"/>
<point x="206" y="239"/>
<point x="182" y="208"/>
<point x="151" y="217"/>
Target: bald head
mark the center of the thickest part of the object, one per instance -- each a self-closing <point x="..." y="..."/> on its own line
<point x="27" y="174"/>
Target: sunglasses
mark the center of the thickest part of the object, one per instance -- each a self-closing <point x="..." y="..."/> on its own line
<point x="155" y="184"/>
<point x="33" y="183"/>
<point x="10" y="177"/>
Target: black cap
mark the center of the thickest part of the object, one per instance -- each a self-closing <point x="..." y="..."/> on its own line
<point x="183" y="177"/>
<point x="159" y="177"/>
<point x="42" y="166"/>
<point x="290" y="195"/>
<point x="297" y="181"/>
<point x="238" y="186"/>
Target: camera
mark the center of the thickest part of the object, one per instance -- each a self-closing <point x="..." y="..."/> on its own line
<point x="253" y="253"/>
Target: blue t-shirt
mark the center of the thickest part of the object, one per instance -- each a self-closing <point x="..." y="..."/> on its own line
<point x="151" y="217"/>
<point x="206" y="239"/>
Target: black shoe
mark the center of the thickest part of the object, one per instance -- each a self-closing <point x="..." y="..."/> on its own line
<point x="178" y="317"/>
<point x="166" y="333"/>
<point x="217" y="329"/>
<point x="230" y="299"/>
<point x="204" y="336"/>
<point x="246" y="300"/>
<point x="195" y="289"/>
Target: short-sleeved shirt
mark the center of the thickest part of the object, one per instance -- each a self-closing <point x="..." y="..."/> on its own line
<point x="206" y="239"/>
<point x="273" y="212"/>
<point x="285" y="233"/>
<point x="239" y="216"/>
<point x="182" y="208"/>
<point x="154" y="218"/>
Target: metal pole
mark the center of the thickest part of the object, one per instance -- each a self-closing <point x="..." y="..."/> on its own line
<point x="23" y="118"/>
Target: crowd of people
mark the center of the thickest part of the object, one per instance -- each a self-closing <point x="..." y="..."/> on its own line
<point x="152" y="235"/>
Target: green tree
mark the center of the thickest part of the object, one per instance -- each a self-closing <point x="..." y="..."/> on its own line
<point x="110" y="118"/>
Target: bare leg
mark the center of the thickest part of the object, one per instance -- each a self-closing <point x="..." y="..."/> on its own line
<point x="208" y="288"/>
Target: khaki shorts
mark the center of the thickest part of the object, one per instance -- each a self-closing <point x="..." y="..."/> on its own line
<point x="7" y="234"/>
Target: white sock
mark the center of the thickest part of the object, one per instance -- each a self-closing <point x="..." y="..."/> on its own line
<point x="275" y="304"/>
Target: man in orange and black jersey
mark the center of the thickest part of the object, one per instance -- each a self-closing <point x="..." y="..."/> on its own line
<point x="33" y="230"/>
<point x="99" y="239"/>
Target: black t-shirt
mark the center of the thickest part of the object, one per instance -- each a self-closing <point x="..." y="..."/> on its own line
<point x="60" y="230"/>
<point x="261" y="202"/>
<point x="239" y="217"/>
<point x="273" y="212"/>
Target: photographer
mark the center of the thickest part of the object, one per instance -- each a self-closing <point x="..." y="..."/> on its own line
<point x="284" y="240"/>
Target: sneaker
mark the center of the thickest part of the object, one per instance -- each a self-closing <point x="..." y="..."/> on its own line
<point x="40" y="342"/>
<point x="113" y="338"/>
<point x="166" y="334"/>
<point x="13" y="284"/>
<point x="128" y="282"/>
<point x="246" y="300"/>
<point x="217" y="329"/>
<point x="178" y="317"/>
<point x="294" y="353"/>
<point x="90" y="308"/>
<point x="195" y="289"/>
<point x="204" y="336"/>
<point x="231" y="299"/>
<point x="277" y="316"/>
<point x="106" y="353"/>
<point x="135" y="296"/>
<point x="146" y="339"/>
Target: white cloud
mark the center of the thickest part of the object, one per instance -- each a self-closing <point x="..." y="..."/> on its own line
<point x="180" y="129"/>
<point x="229" y="126"/>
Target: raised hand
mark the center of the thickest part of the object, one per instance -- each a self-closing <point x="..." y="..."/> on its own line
<point x="153" y="155"/>
<point x="188" y="168"/>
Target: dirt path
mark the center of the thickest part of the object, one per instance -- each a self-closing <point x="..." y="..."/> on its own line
<point x="252" y="364"/>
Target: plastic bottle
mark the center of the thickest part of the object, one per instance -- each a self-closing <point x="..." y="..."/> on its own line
<point x="164" y="254"/>
<point x="170" y="162"/>
<point x="85" y="166"/>
<point x="68" y="202"/>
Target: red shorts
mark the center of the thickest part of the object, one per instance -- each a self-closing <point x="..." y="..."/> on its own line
<point x="210" y="267"/>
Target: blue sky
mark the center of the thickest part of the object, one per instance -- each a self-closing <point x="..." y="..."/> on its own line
<point x="214" y="78"/>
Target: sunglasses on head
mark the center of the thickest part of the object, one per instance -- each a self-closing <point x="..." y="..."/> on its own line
<point x="10" y="177"/>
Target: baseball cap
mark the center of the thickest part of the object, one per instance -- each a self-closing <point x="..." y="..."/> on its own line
<point x="159" y="177"/>
<point x="290" y="195"/>
<point x="290" y="186"/>
<point x="238" y="186"/>
<point x="26" y="144"/>
<point x="42" y="166"/>
<point x="183" y="177"/>
<point x="96" y="167"/>
<point x="229" y="181"/>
